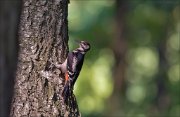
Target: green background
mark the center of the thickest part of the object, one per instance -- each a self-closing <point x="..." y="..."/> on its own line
<point x="152" y="83"/>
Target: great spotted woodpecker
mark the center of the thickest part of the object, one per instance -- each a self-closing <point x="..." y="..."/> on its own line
<point x="72" y="67"/>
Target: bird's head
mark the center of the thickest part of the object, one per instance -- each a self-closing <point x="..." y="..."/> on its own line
<point x="84" y="46"/>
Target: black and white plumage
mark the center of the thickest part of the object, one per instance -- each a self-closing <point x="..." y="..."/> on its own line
<point x="72" y="67"/>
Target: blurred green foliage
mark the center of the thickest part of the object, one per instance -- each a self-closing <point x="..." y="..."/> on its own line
<point x="150" y="24"/>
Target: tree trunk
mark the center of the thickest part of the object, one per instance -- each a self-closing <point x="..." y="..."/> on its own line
<point x="120" y="50"/>
<point x="43" y="42"/>
<point x="9" y="19"/>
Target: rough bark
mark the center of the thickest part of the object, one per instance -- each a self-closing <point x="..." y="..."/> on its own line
<point x="43" y="41"/>
<point x="9" y="19"/>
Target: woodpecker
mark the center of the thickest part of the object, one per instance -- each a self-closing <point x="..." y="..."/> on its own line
<point x="72" y="67"/>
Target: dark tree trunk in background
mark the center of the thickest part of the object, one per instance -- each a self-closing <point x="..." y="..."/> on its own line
<point x="9" y="19"/>
<point x="120" y="49"/>
<point x="43" y="41"/>
<point x="162" y="99"/>
<point x="120" y="46"/>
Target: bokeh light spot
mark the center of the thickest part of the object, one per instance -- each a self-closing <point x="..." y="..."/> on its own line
<point x="174" y="74"/>
<point x="143" y="61"/>
<point x="136" y="93"/>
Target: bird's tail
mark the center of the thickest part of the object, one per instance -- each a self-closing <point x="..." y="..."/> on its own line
<point x="66" y="91"/>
